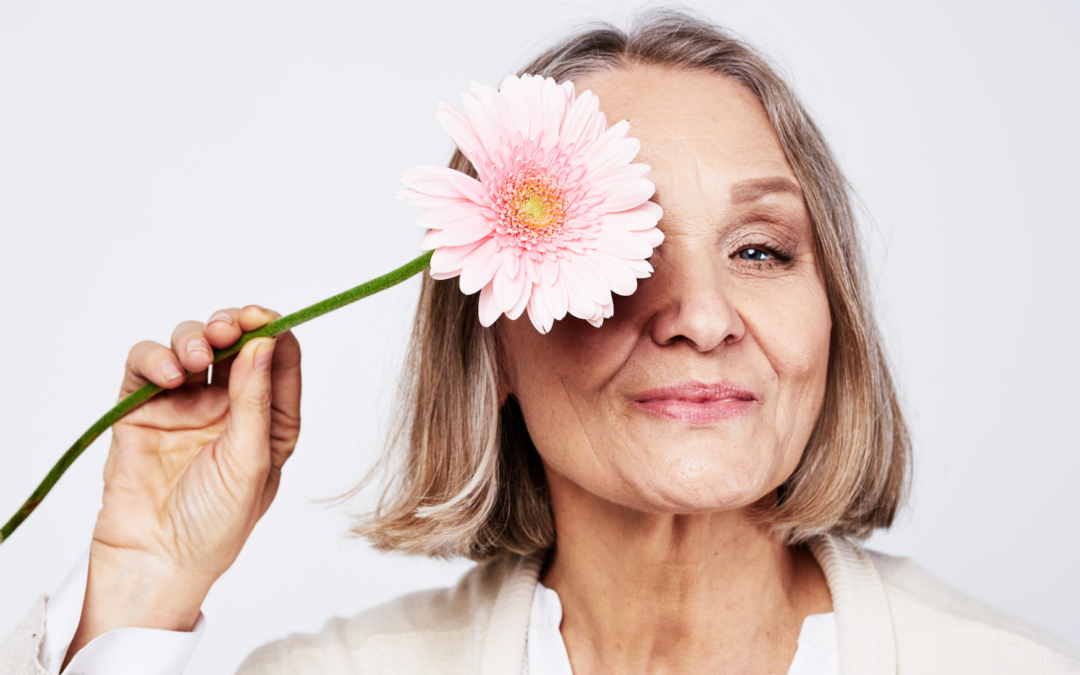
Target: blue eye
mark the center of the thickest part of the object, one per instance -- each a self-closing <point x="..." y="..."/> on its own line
<point x="755" y="254"/>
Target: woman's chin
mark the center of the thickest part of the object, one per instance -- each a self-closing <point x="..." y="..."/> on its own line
<point x="690" y="486"/>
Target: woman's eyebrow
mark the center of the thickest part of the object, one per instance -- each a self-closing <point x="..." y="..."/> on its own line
<point x="756" y="188"/>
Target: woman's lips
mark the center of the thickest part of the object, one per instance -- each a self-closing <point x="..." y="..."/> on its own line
<point x="695" y="403"/>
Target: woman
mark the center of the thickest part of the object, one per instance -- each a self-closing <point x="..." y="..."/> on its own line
<point x="678" y="490"/>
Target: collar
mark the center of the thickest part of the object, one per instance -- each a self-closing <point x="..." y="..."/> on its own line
<point x="863" y="619"/>
<point x="864" y="625"/>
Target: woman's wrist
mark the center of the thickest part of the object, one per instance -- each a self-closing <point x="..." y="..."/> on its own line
<point x="134" y="589"/>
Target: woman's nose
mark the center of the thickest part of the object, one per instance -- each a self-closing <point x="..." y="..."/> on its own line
<point x="693" y="305"/>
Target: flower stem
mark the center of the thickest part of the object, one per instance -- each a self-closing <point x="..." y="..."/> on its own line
<point x="148" y="390"/>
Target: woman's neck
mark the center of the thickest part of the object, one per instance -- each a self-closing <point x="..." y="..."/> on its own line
<point x="647" y="593"/>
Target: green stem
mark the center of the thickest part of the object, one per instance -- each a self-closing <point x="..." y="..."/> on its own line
<point x="148" y="390"/>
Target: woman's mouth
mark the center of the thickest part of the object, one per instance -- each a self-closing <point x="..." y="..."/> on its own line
<point x="696" y="403"/>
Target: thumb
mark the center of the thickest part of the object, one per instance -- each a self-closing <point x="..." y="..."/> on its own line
<point x="247" y="427"/>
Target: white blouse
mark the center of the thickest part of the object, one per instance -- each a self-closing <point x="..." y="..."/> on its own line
<point x="147" y="651"/>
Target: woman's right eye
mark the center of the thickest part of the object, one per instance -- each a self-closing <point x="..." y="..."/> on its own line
<point x="755" y="254"/>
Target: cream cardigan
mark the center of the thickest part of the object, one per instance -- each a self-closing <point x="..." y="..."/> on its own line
<point x="892" y="618"/>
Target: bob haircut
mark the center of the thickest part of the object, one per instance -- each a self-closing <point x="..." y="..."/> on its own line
<point x="462" y="477"/>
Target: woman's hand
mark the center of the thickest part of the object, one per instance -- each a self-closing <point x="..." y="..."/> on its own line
<point x="189" y="472"/>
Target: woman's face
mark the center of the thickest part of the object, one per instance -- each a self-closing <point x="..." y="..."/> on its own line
<point x="702" y="391"/>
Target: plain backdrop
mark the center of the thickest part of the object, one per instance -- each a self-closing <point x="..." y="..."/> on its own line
<point x="159" y="161"/>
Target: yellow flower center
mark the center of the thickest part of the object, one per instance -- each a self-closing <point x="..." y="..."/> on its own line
<point x="535" y="210"/>
<point x="531" y="206"/>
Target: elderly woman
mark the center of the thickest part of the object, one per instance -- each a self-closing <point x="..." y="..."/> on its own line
<point x="680" y="490"/>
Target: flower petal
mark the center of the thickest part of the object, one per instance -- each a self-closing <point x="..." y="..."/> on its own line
<point x="467" y="230"/>
<point x="446" y="215"/>
<point x="447" y="260"/>
<point x="623" y="244"/>
<point x="594" y="280"/>
<point x="508" y="290"/>
<point x="653" y="236"/>
<point x="614" y="155"/>
<point x="479" y="267"/>
<point x="620" y="277"/>
<point x="628" y="194"/>
<point x="642" y="217"/>
<point x="607" y="138"/>
<point x="517" y="102"/>
<point x="489" y="310"/>
<point x="641" y="268"/>
<point x="422" y="200"/>
<point x="470" y="188"/>
<point x="523" y="300"/>
<point x="578" y="123"/>
<point x="539" y="314"/>
<point x="461" y="131"/>
<point x="555" y="297"/>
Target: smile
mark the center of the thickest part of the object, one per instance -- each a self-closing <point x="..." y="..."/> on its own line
<point x="696" y="403"/>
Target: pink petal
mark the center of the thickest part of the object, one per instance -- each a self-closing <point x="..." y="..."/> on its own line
<point x="641" y="217"/>
<point x="424" y="171"/>
<point x="438" y="186"/>
<point x="489" y="310"/>
<point x="619" y="276"/>
<point x="479" y="267"/>
<point x="536" y="108"/>
<point x="483" y="121"/>
<point x="471" y="189"/>
<point x="641" y="268"/>
<point x="531" y="268"/>
<point x="614" y="155"/>
<point x="652" y="236"/>
<point x="467" y="230"/>
<point x="422" y="200"/>
<point x="507" y="290"/>
<point x="539" y="314"/>
<point x="555" y="104"/>
<point x="579" y="302"/>
<point x="449" y="259"/>
<point x="608" y="138"/>
<point x="461" y="131"/>
<point x="594" y="280"/>
<point x="555" y="297"/>
<point x="447" y="214"/>
<point x="511" y="262"/>
<point x="627" y="195"/>
<point x="605" y="312"/>
<point x="523" y="300"/>
<point x="432" y="239"/>
<point x="617" y="173"/>
<point x="623" y="244"/>
<point x="550" y="269"/>
<point x="517" y="102"/>
<point x="576" y="126"/>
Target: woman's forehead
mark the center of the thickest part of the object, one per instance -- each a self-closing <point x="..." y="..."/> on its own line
<point x="694" y="123"/>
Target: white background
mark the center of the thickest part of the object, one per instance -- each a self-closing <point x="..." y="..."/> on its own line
<point x="161" y="160"/>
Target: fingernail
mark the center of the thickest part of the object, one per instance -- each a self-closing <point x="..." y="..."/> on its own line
<point x="221" y="316"/>
<point x="170" y="370"/>
<point x="198" y="346"/>
<point x="264" y="353"/>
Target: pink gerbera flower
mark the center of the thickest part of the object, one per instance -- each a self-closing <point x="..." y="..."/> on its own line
<point x="560" y="218"/>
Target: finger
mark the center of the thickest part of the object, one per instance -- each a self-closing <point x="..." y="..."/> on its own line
<point x="223" y="327"/>
<point x="191" y="347"/>
<point x="285" y="399"/>
<point x="149" y="361"/>
<point x="246" y="438"/>
<point x="253" y="317"/>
